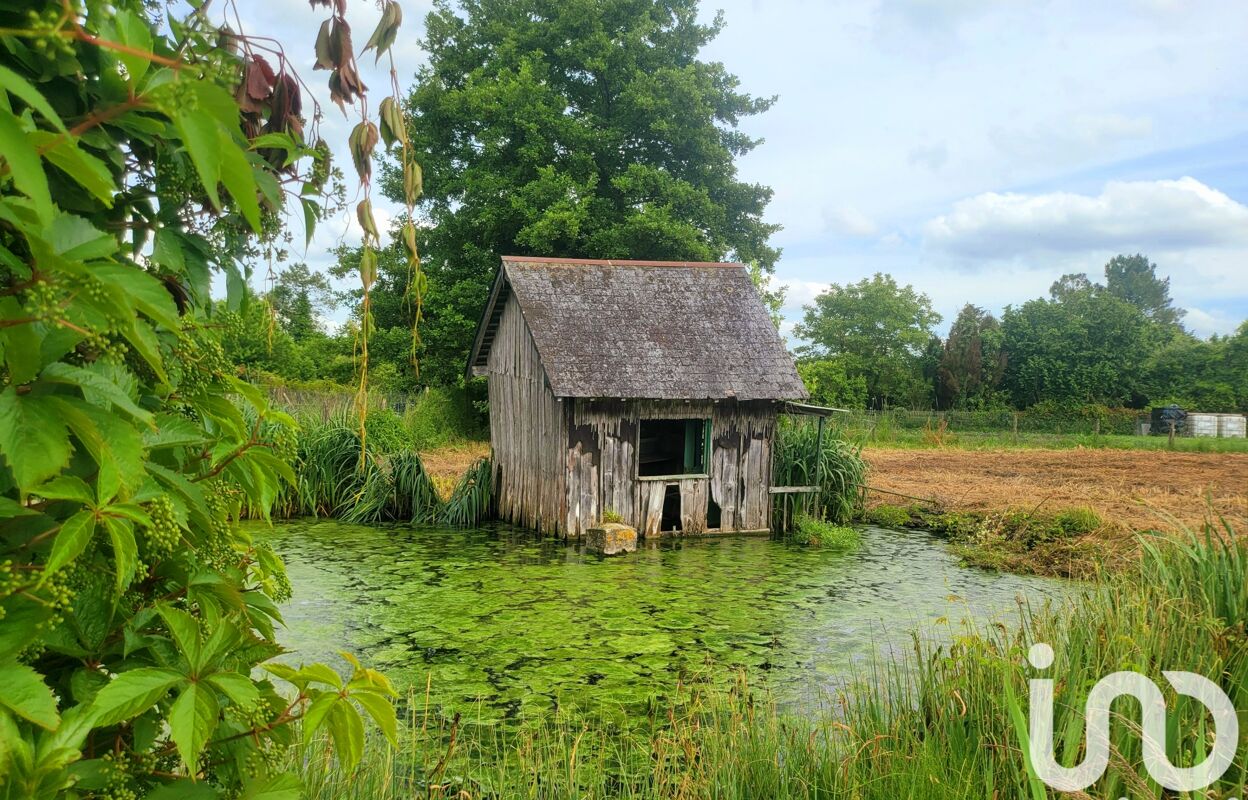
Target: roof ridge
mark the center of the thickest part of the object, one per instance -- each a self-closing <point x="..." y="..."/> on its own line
<point x="617" y="262"/>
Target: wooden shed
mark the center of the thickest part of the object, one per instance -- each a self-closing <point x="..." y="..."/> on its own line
<point x="646" y="389"/>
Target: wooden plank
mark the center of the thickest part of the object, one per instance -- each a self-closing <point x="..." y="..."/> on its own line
<point x="793" y="489"/>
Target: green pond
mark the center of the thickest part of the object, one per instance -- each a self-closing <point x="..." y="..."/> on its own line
<point x="498" y="621"/>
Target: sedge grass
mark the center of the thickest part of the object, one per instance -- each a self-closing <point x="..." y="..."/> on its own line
<point x="939" y="722"/>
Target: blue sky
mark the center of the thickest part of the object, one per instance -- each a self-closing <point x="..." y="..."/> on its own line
<point x="976" y="149"/>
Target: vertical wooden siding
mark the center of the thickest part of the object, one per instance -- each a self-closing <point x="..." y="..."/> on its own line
<point x="601" y="465"/>
<point x="526" y="429"/>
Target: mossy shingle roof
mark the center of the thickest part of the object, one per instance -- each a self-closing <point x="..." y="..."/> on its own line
<point x="645" y="329"/>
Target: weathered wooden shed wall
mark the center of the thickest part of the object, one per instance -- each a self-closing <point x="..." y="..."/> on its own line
<point x="601" y="460"/>
<point x="526" y="428"/>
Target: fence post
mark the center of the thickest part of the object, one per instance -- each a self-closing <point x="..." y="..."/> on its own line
<point x="1016" y="428"/>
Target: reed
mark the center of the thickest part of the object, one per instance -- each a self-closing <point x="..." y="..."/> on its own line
<point x="938" y="722"/>
<point x="837" y="467"/>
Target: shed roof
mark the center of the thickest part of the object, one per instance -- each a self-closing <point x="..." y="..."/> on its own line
<point x="644" y="329"/>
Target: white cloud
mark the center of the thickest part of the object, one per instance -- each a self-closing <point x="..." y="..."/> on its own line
<point x="1206" y="323"/>
<point x="849" y="221"/>
<point x="1145" y="215"/>
<point x="800" y="293"/>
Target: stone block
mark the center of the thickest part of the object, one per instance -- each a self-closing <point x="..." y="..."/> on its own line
<point x="610" y="538"/>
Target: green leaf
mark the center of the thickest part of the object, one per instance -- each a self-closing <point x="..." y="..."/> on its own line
<point x="185" y="630"/>
<point x="67" y="487"/>
<point x="167" y="250"/>
<point x="238" y="177"/>
<point x="145" y="291"/>
<point x="131" y="693"/>
<point x="112" y="442"/>
<point x="184" y="789"/>
<point x="125" y="550"/>
<point x="95" y="386"/>
<point x="200" y="134"/>
<point x="132" y="30"/>
<point x="382" y="712"/>
<point x="347" y="729"/>
<point x="192" y="719"/>
<point x="17" y="86"/>
<point x="20" y="343"/>
<point x="76" y="239"/>
<point x="74" y="536"/>
<point x="239" y="688"/>
<point x="85" y="169"/>
<point x="27" y="696"/>
<point x="275" y="787"/>
<point x="33" y="438"/>
<point x="318" y="711"/>
<point x="24" y="165"/>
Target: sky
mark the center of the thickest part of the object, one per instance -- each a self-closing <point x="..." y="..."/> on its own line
<point x="975" y="149"/>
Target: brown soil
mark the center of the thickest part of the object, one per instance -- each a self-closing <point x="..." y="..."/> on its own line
<point x="1136" y="490"/>
<point x="445" y="465"/>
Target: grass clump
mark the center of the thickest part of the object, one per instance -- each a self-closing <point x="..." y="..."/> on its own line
<point x="821" y="533"/>
<point x="610" y="515"/>
<point x="440" y="417"/>
<point x="937" y="723"/>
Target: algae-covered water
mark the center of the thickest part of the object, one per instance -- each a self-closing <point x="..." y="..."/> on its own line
<point x="503" y="620"/>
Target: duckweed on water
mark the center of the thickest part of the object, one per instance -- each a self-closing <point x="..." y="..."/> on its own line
<point x="501" y="622"/>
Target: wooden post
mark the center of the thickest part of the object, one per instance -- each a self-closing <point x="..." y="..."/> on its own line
<point x="1015" y="428"/>
<point x="1171" y="444"/>
<point x="1096" y="428"/>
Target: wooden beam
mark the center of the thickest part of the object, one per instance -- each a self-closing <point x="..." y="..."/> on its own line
<point x="793" y="489"/>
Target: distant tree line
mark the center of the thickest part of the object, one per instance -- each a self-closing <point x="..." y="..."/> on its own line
<point x="872" y="344"/>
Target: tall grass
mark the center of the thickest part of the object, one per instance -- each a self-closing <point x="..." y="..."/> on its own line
<point x="838" y="468"/>
<point x="941" y="722"/>
<point x="389" y="487"/>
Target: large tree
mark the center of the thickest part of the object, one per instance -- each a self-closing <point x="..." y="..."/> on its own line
<point x="972" y="361"/>
<point x="877" y="331"/>
<point x="1134" y="279"/>
<point x="1084" y="346"/>
<point x="585" y="128"/>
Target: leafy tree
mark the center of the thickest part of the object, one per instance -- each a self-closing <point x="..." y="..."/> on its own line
<point x="1134" y="279"/>
<point x="298" y="296"/>
<point x="878" y="331"/>
<point x="829" y="384"/>
<point x="972" y="361"/>
<point x="587" y="128"/>
<point x="1086" y="347"/>
<point x="138" y="154"/>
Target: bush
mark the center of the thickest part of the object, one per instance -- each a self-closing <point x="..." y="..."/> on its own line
<point x="386" y="432"/>
<point x="839" y="468"/>
<point x="440" y="417"/>
<point x="808" y="530"/>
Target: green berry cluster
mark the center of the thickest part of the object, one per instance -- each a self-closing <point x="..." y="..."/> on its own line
<point x="164" y="533"/>
<point x="46" y="27"/>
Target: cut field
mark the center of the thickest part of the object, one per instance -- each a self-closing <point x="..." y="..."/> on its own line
<point x="1129" y="489"/>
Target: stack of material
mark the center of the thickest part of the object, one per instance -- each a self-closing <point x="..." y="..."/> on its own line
<point x="1232" y="426"/>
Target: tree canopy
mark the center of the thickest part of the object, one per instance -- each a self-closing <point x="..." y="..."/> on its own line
<point x="587" y="128"/>
<point x="140" y="152"/>
<point x="878" y="331"/>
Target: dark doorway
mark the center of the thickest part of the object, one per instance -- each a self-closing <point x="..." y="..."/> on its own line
<point x="671" y="509"/>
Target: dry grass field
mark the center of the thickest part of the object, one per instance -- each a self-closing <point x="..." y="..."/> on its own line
<point x="1135" y="489"/>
